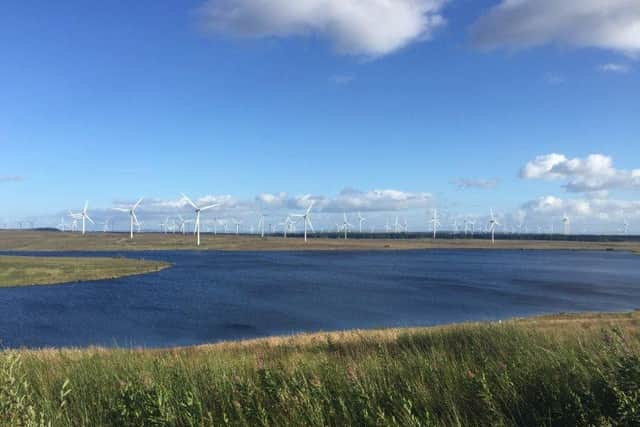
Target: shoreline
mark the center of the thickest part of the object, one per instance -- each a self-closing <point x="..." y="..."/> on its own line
<point x="305" y="339"/>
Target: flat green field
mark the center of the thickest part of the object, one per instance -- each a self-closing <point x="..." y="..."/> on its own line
<point x="569" y="370"/>
<point x="57" y="241"/>
<point x="24" y="271"/>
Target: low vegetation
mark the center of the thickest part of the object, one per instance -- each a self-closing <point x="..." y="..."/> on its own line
<point x="24" y="271"/>
<point x="557" y="371"/>
<point x="58" y="241"/>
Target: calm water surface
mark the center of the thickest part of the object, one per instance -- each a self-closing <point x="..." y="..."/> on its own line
<point x="213" y="296"/>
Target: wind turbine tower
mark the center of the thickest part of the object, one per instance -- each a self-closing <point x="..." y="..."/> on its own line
<point x="133" y="219"/>
<point x="361" y="220"/>
<point x="306" y="217"/>
<point x="566" y="221"/>
<point x="198" y="210"/>
<point x="493" y="223"/>
<point x="435" y="222"/>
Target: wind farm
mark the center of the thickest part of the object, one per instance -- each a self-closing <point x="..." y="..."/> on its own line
<point x="319" y="213"/>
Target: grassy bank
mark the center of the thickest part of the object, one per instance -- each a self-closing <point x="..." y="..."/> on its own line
<point x="560" y="370"/>
<point x="24" y="271"/>
<point x="57" y="241"/>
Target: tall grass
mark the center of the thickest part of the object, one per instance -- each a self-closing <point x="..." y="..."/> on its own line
<point x="545" y="372"/>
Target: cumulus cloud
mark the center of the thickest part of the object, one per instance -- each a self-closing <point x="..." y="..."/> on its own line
<point x="594" y="173"/>
<point x="475" y="183"/>
<point x="587" y="209"/>
<point x="348" y="200"/>
<point x="361" y="27"/>
<point x="606" y="24"/>
<point x="615" y="68"/>
<point x="376" y="200"/>
<point x="9" y="178"/>
<point x="225" y="202"/>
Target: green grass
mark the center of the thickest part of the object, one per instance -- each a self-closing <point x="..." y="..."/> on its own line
<point x="556" y="371"/>
<point x="24" y="271"/>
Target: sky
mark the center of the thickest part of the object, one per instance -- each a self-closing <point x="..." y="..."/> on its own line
<point x="529" y="107"/>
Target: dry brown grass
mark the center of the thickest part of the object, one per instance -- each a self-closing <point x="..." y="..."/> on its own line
<point x="56" y="241"/>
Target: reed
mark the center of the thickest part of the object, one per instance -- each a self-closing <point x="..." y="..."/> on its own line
<point x="557" y="370"/>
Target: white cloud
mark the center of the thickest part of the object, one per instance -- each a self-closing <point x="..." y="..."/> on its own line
<point x="348" y="200"/>
<point x="615" y="68"/>
<point x="360" y="27"/>
<point x="269" y="200"/>
<point x="587" y="209"/>
<point x="475" y="183"/>
<point x="376" y="200"/>
<point x="595" y="173"/>
<point x="606" y="24"/>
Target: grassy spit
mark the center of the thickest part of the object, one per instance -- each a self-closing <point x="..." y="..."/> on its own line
<point x="57" y="241"/>
<point x="24" y="271"/>
<point x="569" y="370"/>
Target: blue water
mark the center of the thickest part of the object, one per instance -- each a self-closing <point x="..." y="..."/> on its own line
<point x="213" y="296"/>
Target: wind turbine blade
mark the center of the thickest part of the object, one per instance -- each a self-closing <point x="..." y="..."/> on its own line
<point x="184" y="196"/>
<point x="89" y="218"/>
<point x="137" y="203"/>
<point x="86" y="206"/>
<point x="135" y="219"/>
<point x="210" y="207"/>
<point x="310" y="225"/>
<point x="310" y="206"/>
<point x="121" y="209"/>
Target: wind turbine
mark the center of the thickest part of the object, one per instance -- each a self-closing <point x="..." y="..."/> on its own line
<point x="237" y="223"/>
<point x="286" y="225"/>
<point x="183" y="223"/>
<point x="625" y="226"/>
<point x="472" y="223"/>
<point x="133" y="219"/>
<point x="345" y="225"/>
<point x="435" y="222"/>
<point x="85" y="216"/>
<point x="198" y="209"/>
<point x="61" y="225"/>
<point x="106" y="225"/>
<point x="261" y="225"/>
<point x="455" y="226"/>
<point x="493" y="222"/>
<point x="361" y="220"/>
<point x="74" y="224"/>
<point x="306" y="218"/>
<point x="566" y="221"/>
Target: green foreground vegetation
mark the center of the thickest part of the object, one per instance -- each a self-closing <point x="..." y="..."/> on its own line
<point x="24" y="271"/>
<point x="573" y="370"/>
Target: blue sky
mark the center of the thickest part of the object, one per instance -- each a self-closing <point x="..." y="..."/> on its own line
<point x="112" y="100"/>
